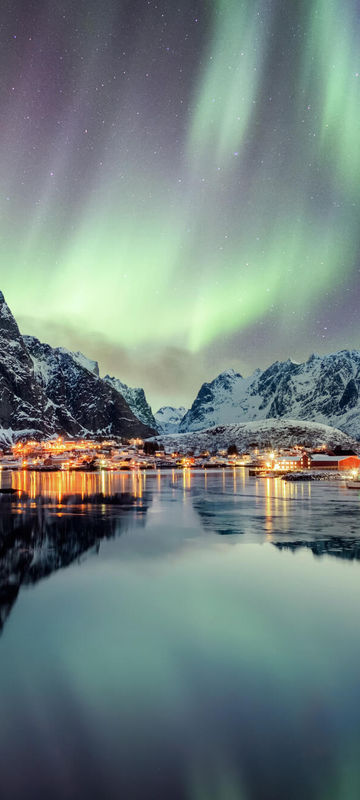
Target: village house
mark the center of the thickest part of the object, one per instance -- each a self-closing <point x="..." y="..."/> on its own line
<point x="287" y="462"/>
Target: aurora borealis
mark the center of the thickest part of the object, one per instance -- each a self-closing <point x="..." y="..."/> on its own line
<point x="180" y="182"/>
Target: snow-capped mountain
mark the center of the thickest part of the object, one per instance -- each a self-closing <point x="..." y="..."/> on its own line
<point x="136" y="399"/>
<point x="85" y="403"/>
<point x="49" y="390"/>
<point x="324" y="388"/>
<point x="168" y="418"/>
<point x="269" y="433"/>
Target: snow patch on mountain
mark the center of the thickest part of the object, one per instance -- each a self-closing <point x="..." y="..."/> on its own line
<point x="83" y="361"/>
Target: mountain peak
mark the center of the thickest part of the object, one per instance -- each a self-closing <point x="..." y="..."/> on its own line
<point x="8" y="326"/>
<point x="83" y="361"/>
<point x="229" y="373"/>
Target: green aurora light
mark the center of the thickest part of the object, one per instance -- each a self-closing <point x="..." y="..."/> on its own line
<point x="186" y="215"/>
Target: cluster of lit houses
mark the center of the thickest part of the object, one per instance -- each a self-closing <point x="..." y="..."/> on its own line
<point x="84" y="455"/>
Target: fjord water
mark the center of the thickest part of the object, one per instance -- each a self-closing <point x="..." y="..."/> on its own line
<point x="192" y="636"/>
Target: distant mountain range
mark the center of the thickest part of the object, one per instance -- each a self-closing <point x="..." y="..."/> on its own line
<point x="46" y="390"/>
<point x="168" y="419"/>
<point x="323" y="389"/>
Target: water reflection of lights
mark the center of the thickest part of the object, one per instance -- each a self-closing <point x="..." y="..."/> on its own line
<point x="55" y="485"/>
<point x="268" y="506"/>
<point x="276" y="495"/>
<point x="186" y="480"/>
<point x="272" y="492"/>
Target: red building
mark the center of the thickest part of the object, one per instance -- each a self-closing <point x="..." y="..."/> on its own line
<point x="320" y="461"/>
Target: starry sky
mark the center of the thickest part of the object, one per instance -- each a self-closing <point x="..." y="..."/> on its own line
<point x="179" y="182"/>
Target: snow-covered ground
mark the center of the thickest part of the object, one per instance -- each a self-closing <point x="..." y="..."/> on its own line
<point x="272" y="433"/>
<point x="317" y="475"/>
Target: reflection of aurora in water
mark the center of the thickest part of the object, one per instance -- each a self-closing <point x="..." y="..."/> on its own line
<point x="178" y="660"/>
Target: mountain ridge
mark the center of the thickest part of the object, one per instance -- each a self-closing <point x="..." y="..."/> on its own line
<point x="135" y="398"/>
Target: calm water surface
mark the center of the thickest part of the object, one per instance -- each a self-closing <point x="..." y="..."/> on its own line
<point x="180" y="636"/>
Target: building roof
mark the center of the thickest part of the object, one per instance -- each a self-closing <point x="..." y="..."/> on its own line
<point x="325" y="457"/>
<point x="288" y="458"/>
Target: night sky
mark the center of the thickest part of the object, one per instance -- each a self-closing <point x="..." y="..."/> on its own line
<point x="179" y="182"/>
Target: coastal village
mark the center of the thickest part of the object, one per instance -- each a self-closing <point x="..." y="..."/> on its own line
<point x="81" y="455"/>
